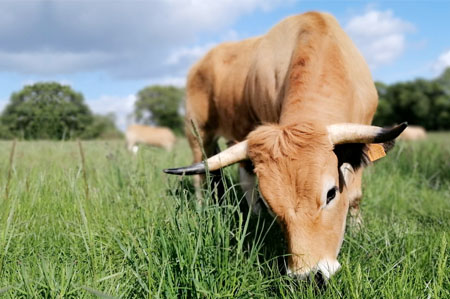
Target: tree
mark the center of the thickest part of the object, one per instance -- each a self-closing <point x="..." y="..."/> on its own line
<point x="160" y="105"/>
<point x="420" y="102"/>
<point x="47" y="110"/>
<point x="442" y="103"/>
<point x="444" y="80"/>
<point x="103" y="127"/>
<point x="5" y="133"/>
<point x="384" y="113"/>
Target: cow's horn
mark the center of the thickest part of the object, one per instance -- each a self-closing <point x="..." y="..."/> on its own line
<point x="356" y="133"/>
<point x="231" y="155"/>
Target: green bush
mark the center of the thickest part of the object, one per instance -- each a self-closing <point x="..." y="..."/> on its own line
<point x="49" y="110"/>
<point x="420" y="102"/>
<point x="160" y="105"/>
<point x="103" y="127"/>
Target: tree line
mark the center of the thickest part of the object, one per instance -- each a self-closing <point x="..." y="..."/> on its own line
<point x="419" y="102"/>
<point x="49" y="110"/>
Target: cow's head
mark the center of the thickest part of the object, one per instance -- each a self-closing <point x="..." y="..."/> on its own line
<point x="307" y="175"/>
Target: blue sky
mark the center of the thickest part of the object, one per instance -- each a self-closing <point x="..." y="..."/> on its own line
<point x="110" y="49"/>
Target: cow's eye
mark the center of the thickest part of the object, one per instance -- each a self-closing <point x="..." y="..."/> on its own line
<point x="331" y="194"/>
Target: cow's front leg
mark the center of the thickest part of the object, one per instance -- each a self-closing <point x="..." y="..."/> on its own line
<point x="355" y="194"/>
<point x="248" y="183"/>
<point x="355" y="219"/>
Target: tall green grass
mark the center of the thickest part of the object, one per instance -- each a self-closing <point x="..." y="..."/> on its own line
<point x="141" y="234"/>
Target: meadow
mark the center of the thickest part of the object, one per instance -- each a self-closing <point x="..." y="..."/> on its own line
<point x="120" y="228"/>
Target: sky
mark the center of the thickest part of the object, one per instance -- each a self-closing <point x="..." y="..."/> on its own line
<point x="110" y="49"/>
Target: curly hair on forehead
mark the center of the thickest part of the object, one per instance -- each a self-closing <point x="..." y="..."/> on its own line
<point x="273" y="141"/>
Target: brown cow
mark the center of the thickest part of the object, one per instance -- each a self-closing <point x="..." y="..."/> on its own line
<point x="300" y="100"/>
<point x="413" y="133"/>
<point x="156" y="136"/>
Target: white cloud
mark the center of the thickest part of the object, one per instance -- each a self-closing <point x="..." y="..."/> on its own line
<point x="169" y="80"/>
<point x="123" y="38"/>
<point x="195" y="52"/>
<point x="379" y="35"/>
<point x="442" y="62"/>
<point x="188" y="53"/>
<point x="53" y="62"/>
<point x="122" y="107"/>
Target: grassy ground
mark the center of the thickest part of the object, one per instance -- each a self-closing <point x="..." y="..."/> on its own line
<point x="137" y="233"/>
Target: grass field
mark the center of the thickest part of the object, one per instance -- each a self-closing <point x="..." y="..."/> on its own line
<point x="137" y="233"/>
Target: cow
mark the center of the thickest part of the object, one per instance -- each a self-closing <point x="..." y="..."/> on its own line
<point x="299" y="100"/>
<point x="413" y="133"/>
<point x="156" y="136"/>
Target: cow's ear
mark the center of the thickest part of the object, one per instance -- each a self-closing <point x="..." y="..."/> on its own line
<point x="361" y="154"/>
<point x="347" y="174"/>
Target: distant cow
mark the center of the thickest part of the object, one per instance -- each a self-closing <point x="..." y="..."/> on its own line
<point x="156" y="136"/>
<point x="413" y="133"/>
<point x="300" y="99"/>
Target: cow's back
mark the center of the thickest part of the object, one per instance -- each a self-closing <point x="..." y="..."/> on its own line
<point x="305" y="67"/>
<point x="320" y="75"/>
<point x="157" y="136"/>
<point x="215" y="88"/>
<point x="413" y="133"/>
